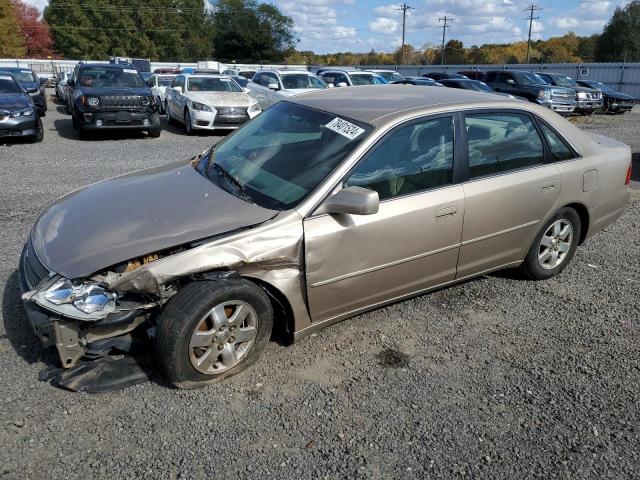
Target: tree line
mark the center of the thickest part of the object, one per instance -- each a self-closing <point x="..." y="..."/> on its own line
<point x="248" y="31"/>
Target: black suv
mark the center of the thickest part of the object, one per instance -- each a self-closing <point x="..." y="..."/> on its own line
<point x="106" y="97"/>
<point x="32" y="85"/>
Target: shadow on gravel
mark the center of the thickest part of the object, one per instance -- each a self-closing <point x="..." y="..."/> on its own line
<point x="17" y="328"/>
<point x="392" y="358"/>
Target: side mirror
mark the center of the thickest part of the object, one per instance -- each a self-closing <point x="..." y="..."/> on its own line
<point x="511" y="81"/>
<point x="342" y="84"/>
<point x="42" y="81"/>
<point x="70" y="82"/>
<point x="273" y="86"/>
<point x="352" y="200"/>
<point x="246" y="90"/>
<point x="177" y="89"/>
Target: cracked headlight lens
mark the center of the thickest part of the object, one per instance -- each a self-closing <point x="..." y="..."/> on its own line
<point x="87" y="297"/>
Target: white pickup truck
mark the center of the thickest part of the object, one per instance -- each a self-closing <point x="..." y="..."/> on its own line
<point x="271" y="86"/>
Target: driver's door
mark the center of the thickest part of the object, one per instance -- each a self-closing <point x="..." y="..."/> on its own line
<point x="411" y="244"/>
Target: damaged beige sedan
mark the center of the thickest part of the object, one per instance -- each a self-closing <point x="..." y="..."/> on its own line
<point x="323" y="207"/>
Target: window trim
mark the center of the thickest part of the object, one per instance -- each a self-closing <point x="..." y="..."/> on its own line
<point x="552" y="159"/>
<point x="466" y="176"/>
<point x="455" y="180"/>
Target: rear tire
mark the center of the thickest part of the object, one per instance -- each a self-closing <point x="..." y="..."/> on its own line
<point x="228" y="321"/>
<point x="554" y="246"/>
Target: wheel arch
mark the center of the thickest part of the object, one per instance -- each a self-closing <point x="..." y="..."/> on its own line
<point x="283" y="317"/>
<point x="583" y="213"/>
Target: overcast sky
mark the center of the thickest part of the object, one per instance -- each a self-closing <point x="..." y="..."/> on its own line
<point x="326" y="26"/>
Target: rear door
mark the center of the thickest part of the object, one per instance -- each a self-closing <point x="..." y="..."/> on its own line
<point x="511" y="188"/>
<point x="411" y="244"/>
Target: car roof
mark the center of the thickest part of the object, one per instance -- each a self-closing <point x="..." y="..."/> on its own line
<point x="107" y="65"/>
<point x="390" y="100"/>
<point x="15" y="69"/>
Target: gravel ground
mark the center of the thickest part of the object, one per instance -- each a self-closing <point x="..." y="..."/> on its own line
<point x="494" y="378"/>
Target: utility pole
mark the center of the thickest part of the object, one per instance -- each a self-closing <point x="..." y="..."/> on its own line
<point x="531" y="9"/>
<point x="404" y="9"/>
<point x="444" y="21"/>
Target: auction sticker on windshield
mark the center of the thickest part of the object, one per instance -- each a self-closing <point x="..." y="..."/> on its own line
<point x="344" y="128"/>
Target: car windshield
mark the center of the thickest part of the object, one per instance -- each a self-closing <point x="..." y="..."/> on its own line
<point x="527" y="78"/>
<point x="603" y="87"/>
<point x="212" y="84"/>
<point x="277" y="159"/>
<point x="109" y="77"/>
<point x="165" y="80"/>
<point x="563" y="81"/>
<point x="23" y="76"/>
<point x="248" y="74"/>
<point x="364" y="79"/>
<point x="241" y="81"/>
<point x="391" y="76"/>
<point x="301" y="80"/>
<point x="476" y="85"/>
<point x="7" y="85"/>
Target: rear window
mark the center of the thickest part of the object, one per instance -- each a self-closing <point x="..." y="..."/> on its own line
<point x="502" y="142"/>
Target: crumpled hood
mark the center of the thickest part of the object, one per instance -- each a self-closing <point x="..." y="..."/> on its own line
<point x="222" y="99"/>
<point x="136" y="214"/>
<point x="619" y="96"/>
<point x="14" y="101"/>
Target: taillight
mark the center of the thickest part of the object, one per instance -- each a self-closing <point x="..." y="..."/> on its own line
<point x="628" y="180"/>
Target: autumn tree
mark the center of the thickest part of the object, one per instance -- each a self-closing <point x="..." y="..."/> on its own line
<point x="620" y="39"/>
<point x="34" y="31"/>
<point x="12" y="44"/>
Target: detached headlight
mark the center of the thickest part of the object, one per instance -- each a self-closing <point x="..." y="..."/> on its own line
<point x="93" y="101"/>
<point x="25" y="113"/>
<point x="87" y="297"/>
<point x="581" y="95"/>
<point x="200" y="107"/>
<point x="255" y="108"/>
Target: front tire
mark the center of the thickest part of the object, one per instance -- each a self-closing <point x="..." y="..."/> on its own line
<point x="211" y="330"/>
<point x="39" y="136"/>
<point x="554" y="246"/>
<point x="187" y="122"/>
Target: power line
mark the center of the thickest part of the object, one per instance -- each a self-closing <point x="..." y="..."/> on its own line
<point x="404" y="9"/>
<point x="444" y="21"/>
<point x="531" y="9"/>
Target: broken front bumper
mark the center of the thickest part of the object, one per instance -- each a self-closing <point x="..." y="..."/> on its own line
<point x="74" y="339"/>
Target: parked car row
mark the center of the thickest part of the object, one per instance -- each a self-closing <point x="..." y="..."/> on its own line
<point x="559" y="92"/>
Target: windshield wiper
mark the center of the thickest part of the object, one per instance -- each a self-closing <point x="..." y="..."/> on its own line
<point x="228" y="175"/>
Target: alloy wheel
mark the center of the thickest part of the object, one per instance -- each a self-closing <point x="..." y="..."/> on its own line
<point x="555" y="244"/>
<point x="223" y="337"/>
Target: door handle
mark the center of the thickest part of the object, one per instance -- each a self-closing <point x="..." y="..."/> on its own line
<point x="446" y="212"/>
<point x="548" y="186"/>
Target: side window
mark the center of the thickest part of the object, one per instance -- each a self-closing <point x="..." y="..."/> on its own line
<point x="501" y="142"/>
<point x="341" y="78"/>
<point x="174" y="82"/>
<point x="491" y="77"/>
<point x="558" y="147"/>
<point x="410" y="159"/>
<point x="329" y="78"/>
<point x="152" y="81"/>
<point x="271" y="78"/>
